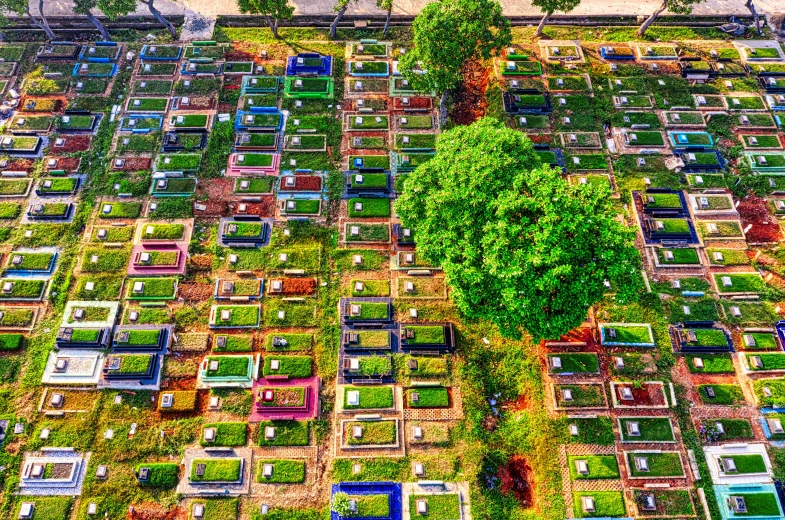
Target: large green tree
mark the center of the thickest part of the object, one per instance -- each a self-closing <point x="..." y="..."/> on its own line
<point x="683" y="7"/>
<point x="273" y="11"/>
<point x="112" y="9"/>
<point x="520" y="245"/>
<point x="548" y="7"/>
<point x="447" y="34"/>
<point x="22" y="8"/>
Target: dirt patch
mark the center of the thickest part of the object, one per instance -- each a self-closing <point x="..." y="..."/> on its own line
<point x="264" y="208"/>
<point x="238" y="55"/>
<point x="199" y="103"/>
<point x="521" y="404"/>
<point x="200" y="262"/>
<point x="217" y="189"/>
<point x="541" y="138"/>
<point x="754" y="212"/>
<point x="20" y="165"/>
<point x="58" y="104"/>
<point x="469" y="103"/>
<point x="516" y="478"/>
<point x="134" y="164"/>
<point x="72" y="143"/>
<point x="304" y="183"/>
<point x="194" y="292"/>
<point x="68" y="164"/>
<point x="298" y="286"/>
<point x="645" y="395"/>
<point x="211" y="208"/>
<point x="415" y="103"/>
<point x="154" y="512"/>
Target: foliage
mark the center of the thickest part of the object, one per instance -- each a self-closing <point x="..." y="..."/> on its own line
<point x="447" y="34"/>
<point x="521" y="247"/>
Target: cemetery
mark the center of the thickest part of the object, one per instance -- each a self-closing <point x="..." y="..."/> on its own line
<point x="223" y="295"/>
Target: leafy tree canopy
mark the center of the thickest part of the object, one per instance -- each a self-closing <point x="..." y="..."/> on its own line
<point x="520" y="245"/>
<point x="277" y="9"/>
<point x="446" y="34"/>
<point x="552" y="6"/>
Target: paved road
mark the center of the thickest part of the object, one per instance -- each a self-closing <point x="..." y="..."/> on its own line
<point x="212" y="8"/>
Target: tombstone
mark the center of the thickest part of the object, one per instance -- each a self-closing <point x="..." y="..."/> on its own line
<point x="275" y="364"/>
<point x="413" y="313"/>
<point x="26" y="510"/>
<point x="587" y="502"/>
<point x="269" y="432"/>
<point x="167" y="400"/>
<point x="566" y="394"/>
<point x="582" y="467"/>
<point x="422" y="507"/>
<point x="209" y="435"/>
<point x="739" y="505"/>
<point x="101" y="472"/>
<point x="267" y="470"/>
<point x="642" y="464"/>
<point x="633" y="429"/>
<point x="625" y="393"/>
<point x="619" y="363"/>
<point x="198" y="511"/>
<point x="353" y="397"/>
<point x="200" y="469"/>
<point x="417" y="433"/>
<point x="710" y="392"/>
<point x="419" y="470"/>
<point x="649" y="503"/>
<point x="775" y="425"/>
<point x="728" y="465"/>
<point x="57" y="400"/>
<point x="144" y="474"/>
<point x="556" y="363"/>
<point x="357" y="432"/>
<point x="574" y="430"/>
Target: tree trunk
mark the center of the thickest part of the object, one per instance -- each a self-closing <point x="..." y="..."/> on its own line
<point x="158" y="16"/>
<point x="443" y="109"/>
<point x="273" y="24"/>
<point x="98" y="25"/>
<point x="754" y="12"/>
<point x="650" y="19"/>
<point x="43" y="26"/>
<point x="44" y="21"/>
<point x="334" y="25"/>
<point x="387" y="21"/>
<point x="542" y="24"/>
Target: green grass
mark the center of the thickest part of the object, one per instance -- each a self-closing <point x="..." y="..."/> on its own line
<point x="591" y="430"/>
<point x="645" y="138"/>
<point x="218" y="508"/>
<point x="162" y="474"/>
<point x="771" y="361"/>
<point x="284" y="471"/>
<point x="729" y="256"/>
<point x="10" y="341"/>
<point x="440" y="507"/>
<point x="371" y="288"/>
<point x="734" y="428"/>
<point x="234" y="343"/>
<point x="23" y="288"/>
<point x="368" y="232"/>
<point x="653" y="429"/>
<point x="759" y="504"/>
<point x="287" y="433"/>
<point x="217" y="470"/>
<point x="229" y="366"/>
<point x="153" y="288"/>
<point x="120" y="210"/>
<point x="747" y="464"/>
<point x="425" y="334"/>
<point x="374" y="433"/>
<point x="576" y="362"/>
<point x="428" y="397"/>
<point x="296" y="367"/>
<point x="303" y="207"/>
<point x="740" y="283"/>
<point x="163" y="231"/>
<point x="606" y="504"/>
<point x="134" y="363"/>
<point x="147" y="104"/>
<point x="629" y="334"/>
<point x="295" y="314"/>
<point x="241" y="316"/>
<point x="724" y="394"/>
<point x="30" y="261"/>
<point x="582" y="396"/>
<point x="371" y="398"/>
<point x="371" y="207"/>
<point x="681" y="256"/>
<point x="712" y="364"/>
<point x="227" y="434"/>
<point x="600" y="467"/>
<point x="763" y="341"/>
<point x="47" y="508"/>
<point x="662" y="464"/>
<point x="295" y="342"/>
